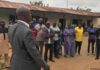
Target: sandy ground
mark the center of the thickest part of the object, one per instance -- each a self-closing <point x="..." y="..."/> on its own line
<point x="84" y="62"/>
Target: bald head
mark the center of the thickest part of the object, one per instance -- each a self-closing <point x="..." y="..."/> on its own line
<point x="2" y="23"/>
<point x="34" y="20"/>
<point x="31" y="24"/>
<point x="23" y="13"/>
<point x="54" y="24"/>
<point x="91" y="25"/>
<point x="59" y="25"/>
<point x="40" y="21"/>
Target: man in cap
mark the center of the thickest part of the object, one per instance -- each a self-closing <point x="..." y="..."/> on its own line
<point x="48" y="35"/>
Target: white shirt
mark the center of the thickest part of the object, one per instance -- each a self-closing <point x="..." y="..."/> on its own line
<point x="24" y="22"/>
<point x="56" y="35"/>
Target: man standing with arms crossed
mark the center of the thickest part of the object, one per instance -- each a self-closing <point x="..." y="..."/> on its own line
<point x="39" y="38"/>
<point x="57" y="31"/>
<point x="25" y="54"/>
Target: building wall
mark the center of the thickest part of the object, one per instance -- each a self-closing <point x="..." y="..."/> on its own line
<point x="4" y="15"/>
<point x="96" y="22"/>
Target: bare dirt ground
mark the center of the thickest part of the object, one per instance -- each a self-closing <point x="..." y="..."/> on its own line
<point x="84" y="62"/>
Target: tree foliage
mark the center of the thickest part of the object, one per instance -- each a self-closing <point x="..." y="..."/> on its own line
<point x="71" y="8"/>
<point x="84" y="9"/>
<point x="97" y="12"/>
<point x="38" y="3"/>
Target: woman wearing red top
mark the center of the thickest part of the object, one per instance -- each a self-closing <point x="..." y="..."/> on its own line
<point x="33" y="29"/>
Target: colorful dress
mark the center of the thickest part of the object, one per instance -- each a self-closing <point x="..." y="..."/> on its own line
<point x="59" y="49"/>
<point x="69" y="42"/>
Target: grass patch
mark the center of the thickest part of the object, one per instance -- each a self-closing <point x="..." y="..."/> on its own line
<point x="2" y="66"/>
<point x="2" y="58"/>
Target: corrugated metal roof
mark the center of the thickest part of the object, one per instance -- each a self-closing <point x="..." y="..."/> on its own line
<point x="13" y="5"/>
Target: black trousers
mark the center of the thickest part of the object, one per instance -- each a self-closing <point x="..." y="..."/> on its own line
<point x="55" y="48"/>
<point x="47" y="47"/>
<point x="89" y="42"/>
<point x="78" y="45"/>
<point x="98" y="48"/>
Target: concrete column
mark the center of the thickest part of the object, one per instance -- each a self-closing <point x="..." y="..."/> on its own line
<point x="44" y="17"/>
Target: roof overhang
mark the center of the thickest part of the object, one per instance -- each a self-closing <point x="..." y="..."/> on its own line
<point x="36" y="11"/>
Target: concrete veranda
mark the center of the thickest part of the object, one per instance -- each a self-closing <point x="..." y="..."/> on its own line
<point x="84" y="62"/>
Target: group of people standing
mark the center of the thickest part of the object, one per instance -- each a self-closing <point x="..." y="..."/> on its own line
<point x="27" y="39"/>
<point x="52" y="36"/>
<point x="44" y="34"/>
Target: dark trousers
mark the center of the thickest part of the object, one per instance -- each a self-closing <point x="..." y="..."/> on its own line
<point x="78" y="45"/>
<point x="98" y="48"/>
<point x="55" y="48"/>
<point x="89" y="42"/>
<point x="47" y="47"/>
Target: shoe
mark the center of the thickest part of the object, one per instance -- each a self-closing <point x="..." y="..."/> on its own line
<point x="93" y="53"/>
<point x="72" y="56"/>
<point x="7" y="67"/>
<point x="57" y="57"/>
<point x="80" y="54"/>
<point x="96" y="58"/>
<point x="52" y="60"/>
<point x="64" y="55"/>
<point x="87" y="53"/>
<point x="7" y="64"/>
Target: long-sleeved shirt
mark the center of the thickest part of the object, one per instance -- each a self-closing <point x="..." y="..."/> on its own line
<point x="98" y="33"/>
<point x="91" y="32"/>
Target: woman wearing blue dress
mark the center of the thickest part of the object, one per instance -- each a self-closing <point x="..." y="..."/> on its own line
<point x="59" y="50"/>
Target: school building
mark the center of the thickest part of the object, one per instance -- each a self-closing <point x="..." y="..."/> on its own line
<point x="62" y="15"/>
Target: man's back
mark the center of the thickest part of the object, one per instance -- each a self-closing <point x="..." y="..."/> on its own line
<point x="25" y="54"/>
<point x="17" y="34"/>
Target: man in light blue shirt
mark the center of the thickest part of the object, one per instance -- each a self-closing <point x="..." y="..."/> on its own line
<point x="57" y="31"/>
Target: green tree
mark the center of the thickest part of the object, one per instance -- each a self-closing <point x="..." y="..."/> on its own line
<point x="78" y="8"/>
<point x="71" y="8"/>
<point x="84" y="9"/>
<point x="97" y="13"/>
<point x="38" y="3"/>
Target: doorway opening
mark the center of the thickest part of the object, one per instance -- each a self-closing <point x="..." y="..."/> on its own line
<point x="76" y="21"/>
<point x="62" y="21"/>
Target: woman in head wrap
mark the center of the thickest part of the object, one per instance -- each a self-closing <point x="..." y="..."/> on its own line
<point x="60" y="40"/>
<point x="69" y="41"/>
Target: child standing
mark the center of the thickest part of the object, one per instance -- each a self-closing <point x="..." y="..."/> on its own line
<point x="33" y="29"/>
